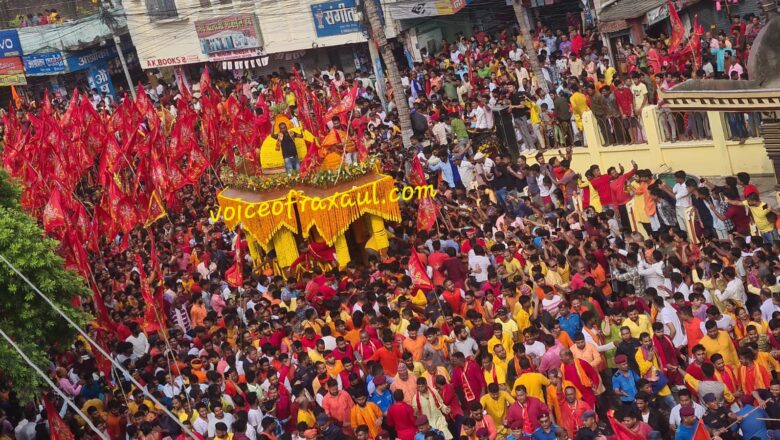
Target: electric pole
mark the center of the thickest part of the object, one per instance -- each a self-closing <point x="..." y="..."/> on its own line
<point x="377" y="33"/>
<point x="110" y="21"/>
<point x="528" y="43"/>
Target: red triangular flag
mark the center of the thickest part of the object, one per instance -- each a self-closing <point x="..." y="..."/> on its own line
<point x="345" y="106"/>
<point x="427" y="211"/>
<point x="621" y="431"/>
<point x="58" y="429"/>
<point x="418" y="273"/>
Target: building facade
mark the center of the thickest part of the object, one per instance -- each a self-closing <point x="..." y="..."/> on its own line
<point x="241" y="34"/>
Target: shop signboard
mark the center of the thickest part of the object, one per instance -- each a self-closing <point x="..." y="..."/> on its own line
<point x="225" y="34"/>
<point x="9" y="43"/>
<point x="43" y="64"/>
<point x="336" y="18"/>
<point x="86" y="59"/>
<point x="98" y="77"/>
<point x="12" y="72"/>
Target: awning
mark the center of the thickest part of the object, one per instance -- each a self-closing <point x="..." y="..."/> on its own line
<point x="614" y="17"/>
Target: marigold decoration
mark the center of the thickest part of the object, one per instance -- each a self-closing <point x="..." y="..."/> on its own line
<point x="320" y="202"/>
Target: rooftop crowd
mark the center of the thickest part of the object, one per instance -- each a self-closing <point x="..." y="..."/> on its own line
<point x="560" y="299"/>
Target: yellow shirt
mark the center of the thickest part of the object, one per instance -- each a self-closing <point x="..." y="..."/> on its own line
<point x="723" y="345"/>
<point x="609" y="75"/>
<point x="759" y="217"/>
<point x="553" y="278"/>
<point x="522" y="318"/>
<point x="512" y="268"/>
<point x="646" y="365"/>
<point x="535" y="384"/>
<point x="496" y="408"/>
<point x="637" y="328"/>
<point x="497" y="371"/>
<point x="509" y="329"/>
<point x="506" y="341"/>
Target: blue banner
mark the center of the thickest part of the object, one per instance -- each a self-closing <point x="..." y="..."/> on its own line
<point x="88" y="58"/>
<point x="99" y="78"/>
<point x="335" y="18"/>
<point x="43" y="63"/>
<point x="9" y="43"/>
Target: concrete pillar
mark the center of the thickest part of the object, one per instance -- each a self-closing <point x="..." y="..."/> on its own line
<point x="652" y="131"/>
<point x="721" y="152"/>
<point x="592" y="138"/>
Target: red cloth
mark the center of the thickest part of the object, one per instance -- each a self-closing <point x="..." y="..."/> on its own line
<point x="530" y="413"/>
<point x="400" y="416"/>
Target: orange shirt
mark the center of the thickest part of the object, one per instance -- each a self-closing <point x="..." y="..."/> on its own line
<point x="601" y="278"/>
<point x="415" y="346"/>
<point x="389" y="359"/>
<point x="197" y="315"/>
<point x="339" y="407"/>
<point x="366" y="415"/>
<point x="565" y="340"/>
<point x="693" y="330"/>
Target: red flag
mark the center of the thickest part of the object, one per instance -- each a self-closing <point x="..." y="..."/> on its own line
<point x="53" y="214"/>
<point x="181" y="82"/>
<point x="701" y="432"/>
<point x="417" y="175"/>
<point x="427" y="211"/>
<point x="418" y="273"/>
<point x="621" y="431"/>
<point x="678" y="30"/>
<point x="345" y="106"/>
<point x="58" y="429"/>
<point x="234" y="275"/>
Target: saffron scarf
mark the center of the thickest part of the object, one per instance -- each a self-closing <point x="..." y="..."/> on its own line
<point x="584" y="378"/>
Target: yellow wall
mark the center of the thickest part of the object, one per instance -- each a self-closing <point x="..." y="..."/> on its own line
<point x="711" y="157"/>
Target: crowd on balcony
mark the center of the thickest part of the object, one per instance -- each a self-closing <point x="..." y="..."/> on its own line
<point x="48" y="16"/>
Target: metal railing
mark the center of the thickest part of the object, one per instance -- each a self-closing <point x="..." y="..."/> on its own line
<point x="678" y="126"/>
<point x="620" y="131"/>
<point x="740" y="126"/>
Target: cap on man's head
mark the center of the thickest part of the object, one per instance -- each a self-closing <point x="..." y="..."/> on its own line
<point x="380" y="380"/>
<point x="709" y="398"/>
<point x="322" y="419"/>
<point x="621" y="359"/>
<point x="421" y="420"/>
<point x="588" y="414"/>
<point x="686" y="411"/>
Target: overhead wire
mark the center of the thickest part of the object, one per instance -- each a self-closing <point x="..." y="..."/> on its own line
<point x="51" y="384"/>
<point x="97" y="346"/>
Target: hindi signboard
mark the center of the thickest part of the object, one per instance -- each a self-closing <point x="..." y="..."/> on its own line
<point x="226" y="34"/>
<point x="335" y="18"/>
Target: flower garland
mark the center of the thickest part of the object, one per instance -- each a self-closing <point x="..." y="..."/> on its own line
<point x="319" y="179"/>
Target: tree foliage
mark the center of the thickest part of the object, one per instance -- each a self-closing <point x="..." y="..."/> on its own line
<point x="26" y="317"/>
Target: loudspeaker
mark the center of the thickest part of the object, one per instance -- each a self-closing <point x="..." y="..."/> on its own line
<point x="505" y="130"/>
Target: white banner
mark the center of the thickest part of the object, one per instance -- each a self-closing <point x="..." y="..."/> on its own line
<point x="406" y="9"/>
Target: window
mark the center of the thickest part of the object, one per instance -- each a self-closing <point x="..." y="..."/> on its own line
<point x="205" y="3"/>
<point x="161" y="9"/>
<point x="225" y="2"/>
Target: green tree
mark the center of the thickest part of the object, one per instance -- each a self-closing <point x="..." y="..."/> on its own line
<point x="26" y="317"/>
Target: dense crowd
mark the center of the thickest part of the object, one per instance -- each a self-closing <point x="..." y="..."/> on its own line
<point x="564" y="306"/>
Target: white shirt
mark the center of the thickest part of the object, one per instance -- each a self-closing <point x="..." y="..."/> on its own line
<point x="669" y="316"/>
<point x="480" y="120"/>
<point x="466" y="171"/>
<point x="516" y="54"/>
<point x="674" y="416"/>
<point x="653" y="273"/>
<point x="227" y="419"/>
<point x="734" y="290"/>
<point x="535" y="350"/>
<point x="140" y="344"/>
<point x="767" y="308"/>
<point x="478" y="264"/>
<point x="682" y="195"/>
<point x="725" y="323"/>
